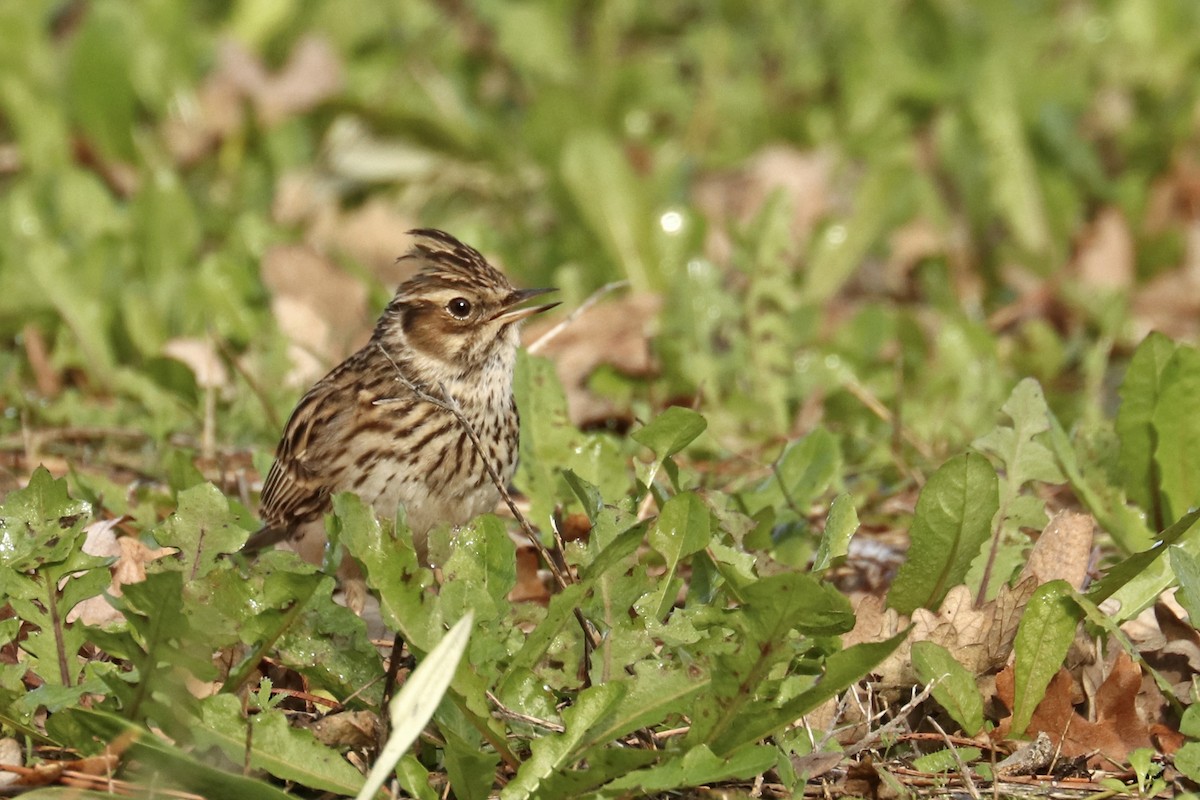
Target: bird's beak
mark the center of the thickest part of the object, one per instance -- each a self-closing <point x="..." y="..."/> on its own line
<point x="512" y="311"/>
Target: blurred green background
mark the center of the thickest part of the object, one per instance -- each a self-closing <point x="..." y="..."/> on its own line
<point x="840" y="203"/>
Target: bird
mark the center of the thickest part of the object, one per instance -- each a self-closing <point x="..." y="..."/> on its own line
<point x="382" y="423"/>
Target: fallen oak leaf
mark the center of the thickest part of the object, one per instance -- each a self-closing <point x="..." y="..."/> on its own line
<point x="1118" y="729"/>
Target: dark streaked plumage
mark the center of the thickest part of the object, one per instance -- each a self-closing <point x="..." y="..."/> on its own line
<point x="452" y="327"/>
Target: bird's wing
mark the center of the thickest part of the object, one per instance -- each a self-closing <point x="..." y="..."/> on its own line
<point x="307" y="464"/>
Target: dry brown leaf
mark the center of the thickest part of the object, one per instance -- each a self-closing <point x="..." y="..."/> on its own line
<point x="615" y="334"/>
<point x="804" y="177"/>
<point x="1117" y="729"/>
<point x="131" y="555"/>
<point x="318" y="307"/>
<point x="376" y="234"/>
<point x="10" y="756"/>
<point x="1170" y="303"/>
<point x="1104" y="258"/>
<point x="353" y="729"/>
<point x="1063" y="551"/>
<point x="312" y="74"/>
<point x="529" y="586"/>
<point x="979" y="638"/>
<point x="200" y="355"/>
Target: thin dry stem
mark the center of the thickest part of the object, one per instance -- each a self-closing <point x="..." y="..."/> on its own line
<point x="447" y="403"/>
<point x="962" y="766"/>
<point x="562" y="325"/>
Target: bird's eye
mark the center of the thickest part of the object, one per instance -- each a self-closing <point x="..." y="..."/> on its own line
<point x="460" y="307"/>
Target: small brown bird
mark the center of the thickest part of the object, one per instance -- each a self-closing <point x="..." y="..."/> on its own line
<point x="449" y="332"/>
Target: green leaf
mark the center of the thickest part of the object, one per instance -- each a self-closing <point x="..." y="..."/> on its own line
<point x="555" y="753"/>
<point x="953" y="520"/>
<point x="1012" y="169"/>
<point x="588" y="494"/>
<point x="841" y="670"/>
<point x="203" y="528"/>
<point x="35" y="521"/>
<point x="480" y="572"/>
<point x="172" y="764"/>
<point x="470" y="768"/>
<point x="99" y="82"/>
<point x="287" y="752"/>
<point x="804" y="471"/>
<point x="683" y="528"/>
<point x="1139" y="392"/>
<point x="947" y="760"/>
<point x="1045" y="634"/>
<point x="606" y="194"/>
<point x="1187" y="571"/>
<point x="391" y="568"/>
<point x="840" y="525"/>
<point x="413" y="707"/>
<point x="1176" y="422"/>
<point x="1133" y="567"/>
<point x="696" y="767"/>
<point x="652" y="695"/>
<point x="1024" y="455"/>
<point x="671" y="431"/>
<point x="955" y="691"/>
<point x="1187" y="760"/>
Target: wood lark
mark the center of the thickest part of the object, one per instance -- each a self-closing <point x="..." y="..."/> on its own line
<point x="368" y="427"/>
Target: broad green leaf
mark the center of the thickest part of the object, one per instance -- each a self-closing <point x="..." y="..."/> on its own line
<point x="33" y="522"/>
<point x="955" y="691"/>
<point x="805" y="470"/>
<point x="778" y="604"/>
<point x="953" y="519"/>
<point x="172" y="764"/>
<point x="391" y="569"/>
<point x="1012" y="169"/>
<point x="203" y="528"/>
<point x="653" y="695"/>
<point x="840" y="525"/>
<point x="841" y="670"/>
<point x="1140" y="391"/>
<point x="480" y="573"/>
<point x="683" y="528"/>
<point x="603" y="765"/>
<point x="775" y="608"/>
<point x="100" y="81"/>
<point x="1176" y="421"/>
<point x="1187" y="760"/>
<point x="671" y="431"/>
<point x="1106" y="502"/>
<point x="470" y="768"/>
<point x="607" y="195"/>
<point x="946" y="760"/>
<point x="275" y="746"/>
<point x="697" y="767"/>
<point x="588" y="495"/>
<point x="1045" y="634"/>
<point x="555" y="753"/>
<point x="1133" y="567"/>
<point x="414" y="778"/>
<point x="1186" y="567"/>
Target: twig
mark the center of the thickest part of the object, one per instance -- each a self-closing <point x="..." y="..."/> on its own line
<point x="505" y="712"/>
<point x="591" y="300"/>
<point x="897" y="720"/>
<point x="962" y="767"/>
<point x="449" y="404"/>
